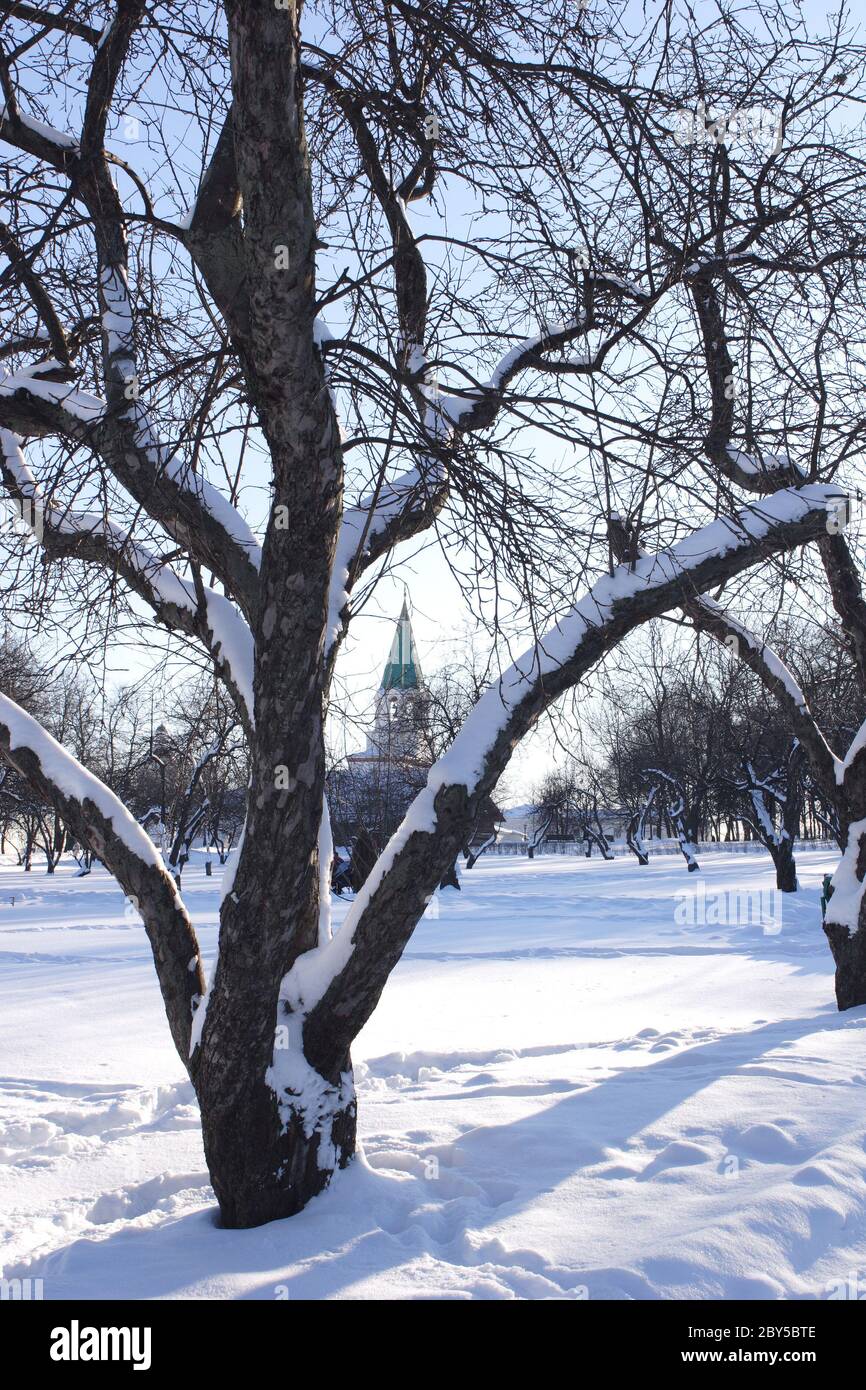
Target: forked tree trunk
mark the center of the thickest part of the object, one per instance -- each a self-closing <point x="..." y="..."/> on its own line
<point x="273" y="1071"/>
<point x="635" y="841"/>
<point x="274" y="1128"/>
<point x="272" y="1066"/>
<point x="636" y="829"/>
<point x="594" y="835"/>
<point x="266" y="1162"/>
<point x="684" y="836"/>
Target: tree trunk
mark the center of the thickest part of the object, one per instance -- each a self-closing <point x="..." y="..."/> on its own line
<point x="449" y="878"/>
<point x="786" y="867"/>
<point x="274" y="1129"/>
<point x="635" y="829"/>
<point x="686" y="840"/>
<point x="634" y="839"/>
<point x="265" y="1162"/>
<point x="849" y="954"/>
<point x="849" y="946"/>
<point x="783" y="854"/>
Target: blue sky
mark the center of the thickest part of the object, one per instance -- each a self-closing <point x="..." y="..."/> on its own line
<point x="441" y="618"/>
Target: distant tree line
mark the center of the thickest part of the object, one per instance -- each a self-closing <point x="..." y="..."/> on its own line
<point x="180" y="770"/>
<point x="689" y="746"/>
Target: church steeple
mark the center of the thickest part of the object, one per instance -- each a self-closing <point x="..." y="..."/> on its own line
<point x="397" y="735"/>
<point x="402" y="671"/>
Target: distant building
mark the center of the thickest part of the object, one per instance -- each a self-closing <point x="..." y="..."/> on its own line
<point x="162" y="743"/>
<point x="400" y="715"/>
<point x="374" y="787"/>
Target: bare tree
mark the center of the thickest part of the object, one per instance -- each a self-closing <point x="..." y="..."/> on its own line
<point x="776" y="800"/>
<point x="637" y="824"/>
<point x="840" y="780"/>
<point x="163" y="362"/>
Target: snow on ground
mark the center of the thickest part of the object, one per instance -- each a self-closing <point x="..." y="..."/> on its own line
<point x="574" y="1087"/>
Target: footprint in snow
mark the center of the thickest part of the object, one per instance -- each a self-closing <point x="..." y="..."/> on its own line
<point x="680" y="1154"/>
<point x="137" y="1199"/>
<point x="498" y="1190"/>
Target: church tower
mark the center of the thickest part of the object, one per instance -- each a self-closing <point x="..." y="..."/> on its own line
<point x="398" y="724"/>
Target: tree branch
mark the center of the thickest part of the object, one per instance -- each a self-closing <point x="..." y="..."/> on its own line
<point x="847" y="593"/>
<point x="215" y="240"/>
<point x="193" y="513"/>
<point x="196" y="611"/>
<point x="385" y="913"/>
<point x="95" y="815"/>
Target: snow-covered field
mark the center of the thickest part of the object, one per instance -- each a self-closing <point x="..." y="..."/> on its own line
<point x="573" y="1088"/>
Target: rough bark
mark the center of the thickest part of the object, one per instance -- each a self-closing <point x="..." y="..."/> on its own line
<point x="785" y="866"/>
<point x="849" y="956"/>
<point x="262" y="1164"/>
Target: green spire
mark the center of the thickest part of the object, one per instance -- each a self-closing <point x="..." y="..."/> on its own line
<point x="402" y="671"/>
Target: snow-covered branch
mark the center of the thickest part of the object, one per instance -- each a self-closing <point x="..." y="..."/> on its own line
<point x="394" y="512"/>
<point x="99" y="819"/>
<point x="119" y="429"/>
<point x="846" y="589"/>
<point x="193" y="609"/>
<point x="353" y="967"/>
<point x="55" y="147"/>
<point x="708" y="616"/>
<point x="190" y="509"/>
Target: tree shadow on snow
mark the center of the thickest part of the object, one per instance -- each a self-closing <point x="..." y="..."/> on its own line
<point x="374" y="1219"/>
